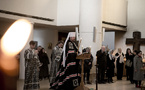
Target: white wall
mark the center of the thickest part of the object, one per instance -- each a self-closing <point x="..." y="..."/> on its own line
<point x="64" y="12"/>
<point x="44" y="36"/>
<point x="109" y="39"/>
<point x="136" y="22"/>
<point x="115" y="11"/>
<point x="41" y="8"/>
<point x="120" y="41"/>
<point x="68" y="12"/>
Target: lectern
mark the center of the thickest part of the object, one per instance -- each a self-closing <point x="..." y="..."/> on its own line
<point x="82" y="57"/>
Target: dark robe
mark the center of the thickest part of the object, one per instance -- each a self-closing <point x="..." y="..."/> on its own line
<point x="110" y="67"/>
<point x="101" y="60"/>
<point x="68" y="77"/>
<point x="119" y="67"/>
<point x="87" y="67"/>
<point x="43" y="73"/>
<point x="129" y="70"/>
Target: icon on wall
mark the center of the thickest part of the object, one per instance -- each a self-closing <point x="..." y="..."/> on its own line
<point x="49" y="45"/>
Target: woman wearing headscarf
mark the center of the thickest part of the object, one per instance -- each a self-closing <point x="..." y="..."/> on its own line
<point x="44" y="68"/>
<point x="119" y="63"/>
<point x="110" y="66"/>
<point x="138" y="75"/>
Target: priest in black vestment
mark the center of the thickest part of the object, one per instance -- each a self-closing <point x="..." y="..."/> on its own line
<point x="68" y="76"/>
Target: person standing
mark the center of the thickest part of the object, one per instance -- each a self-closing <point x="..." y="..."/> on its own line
<point x="101" y="60"/>
<point x="88" y="65"/>
<point x="134" y="53"/>
<point x="68" y="76"/>
<point x="138" y="75"/>
<point x="129" y="65"/>
<point x="110" y="66"/>
<point x="119" y="64"/>
<point x="32" y="65"/>
<point x="55" y="61"/>
<point x="44" y="71"/>
<point x="39" y="48"/>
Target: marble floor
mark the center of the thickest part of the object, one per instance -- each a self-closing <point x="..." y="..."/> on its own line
<point x="117" y="85"/>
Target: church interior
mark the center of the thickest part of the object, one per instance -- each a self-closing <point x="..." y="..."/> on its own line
<point x="98" y="22"/>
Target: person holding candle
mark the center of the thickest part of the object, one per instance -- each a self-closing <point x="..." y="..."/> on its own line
<point x="87" y="65"/>
<point x="129" y="65"/>
<point x="32" y="65"/>
<point x="138" y="75"/>
<point x="110" y="66"/>
<point x="119" y="63"/>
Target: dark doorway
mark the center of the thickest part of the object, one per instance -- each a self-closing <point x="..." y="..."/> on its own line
<point x="62" y="36"/>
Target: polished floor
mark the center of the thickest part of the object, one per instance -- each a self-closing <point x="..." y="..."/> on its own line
<point x="117" y="85"/>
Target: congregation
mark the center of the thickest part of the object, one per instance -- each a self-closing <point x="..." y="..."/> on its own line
<point x="65" y="69"/>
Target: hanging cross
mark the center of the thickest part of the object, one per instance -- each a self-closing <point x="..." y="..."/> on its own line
<point x="136" y="41"/>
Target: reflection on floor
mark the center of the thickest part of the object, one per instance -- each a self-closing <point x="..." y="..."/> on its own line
<point x="117" y="85"/>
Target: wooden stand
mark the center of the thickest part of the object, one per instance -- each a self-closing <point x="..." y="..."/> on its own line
<point x="82" y="57"/>
<point x="97" y="76"/>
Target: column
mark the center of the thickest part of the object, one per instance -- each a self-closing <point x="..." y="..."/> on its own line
<point x="90" y="17"/>
<point x="22" y="60"/>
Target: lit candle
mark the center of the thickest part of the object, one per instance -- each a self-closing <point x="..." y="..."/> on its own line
<point x="16" y="37"/>
<point x="12" y="43"/>
<point x="82" y="47"/>
<point x="80" y="40"/>
<point x="90" y="48"/>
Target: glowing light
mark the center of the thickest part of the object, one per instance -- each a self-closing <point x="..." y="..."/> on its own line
<point x="16" y="37"/>
<point x="9" y="65"/>
<point x="12" y="43"/>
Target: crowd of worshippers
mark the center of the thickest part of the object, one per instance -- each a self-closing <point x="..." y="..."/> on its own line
<point x="65" y="69"/>
<point x="133" y="65"/>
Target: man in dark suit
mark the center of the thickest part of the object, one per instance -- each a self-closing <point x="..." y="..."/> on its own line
<point x="101" y="60"/>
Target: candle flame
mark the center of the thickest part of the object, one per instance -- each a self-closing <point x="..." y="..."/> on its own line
<point x="16" y="37"/>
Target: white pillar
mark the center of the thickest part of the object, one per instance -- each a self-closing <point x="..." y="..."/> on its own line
<point x="90" y="17"/>
<point x="22" y="60"/>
